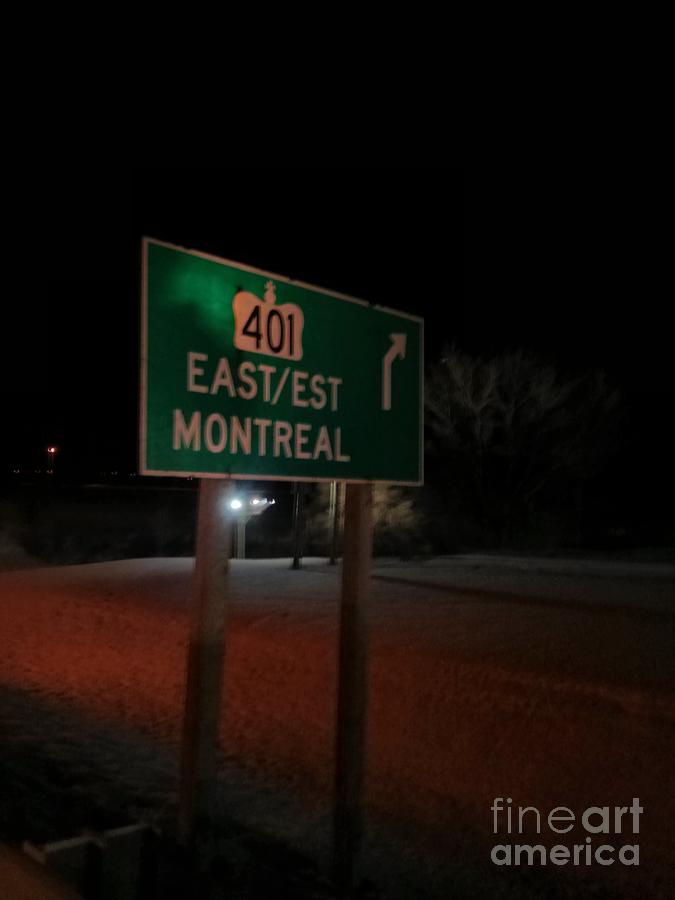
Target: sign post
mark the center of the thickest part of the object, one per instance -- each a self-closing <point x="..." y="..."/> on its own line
<point x="333" y="522"/>
<point x="203" y="691"/>
<point x="352" y="683"/>
<point x="249" y="375"/>
<point x="298" y="524"/>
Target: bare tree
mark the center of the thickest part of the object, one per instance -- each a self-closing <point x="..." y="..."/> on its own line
<point x="515" y="426"/>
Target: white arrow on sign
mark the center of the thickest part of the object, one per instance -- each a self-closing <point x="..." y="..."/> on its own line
<point x="396" y="351"/>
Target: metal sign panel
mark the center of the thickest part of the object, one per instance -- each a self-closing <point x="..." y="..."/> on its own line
<point x="251" y="375"/>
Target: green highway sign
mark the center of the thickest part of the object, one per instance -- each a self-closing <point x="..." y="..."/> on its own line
<point x="251" y="375"/>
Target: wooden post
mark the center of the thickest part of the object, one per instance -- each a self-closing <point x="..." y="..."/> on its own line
<point x="205" y="657"/>
<point x="352" y="683"/>
<point x="298" y="498"/>
<point x="241" y="538"/>
<point x="331" y="520"/>
<point x="334" y="516"/>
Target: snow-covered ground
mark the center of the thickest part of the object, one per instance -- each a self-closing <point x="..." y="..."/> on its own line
<point x="547" y="682"/>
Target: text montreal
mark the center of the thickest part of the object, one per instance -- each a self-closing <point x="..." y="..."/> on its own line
<point x="256" y="437"/>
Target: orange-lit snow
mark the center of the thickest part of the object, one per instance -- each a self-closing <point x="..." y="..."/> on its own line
<point x="487" y="680"/>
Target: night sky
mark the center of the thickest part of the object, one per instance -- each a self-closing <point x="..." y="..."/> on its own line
<point x="558" y="261"/>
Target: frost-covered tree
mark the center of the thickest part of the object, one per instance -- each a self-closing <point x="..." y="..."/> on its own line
<point x="397" y="520"/>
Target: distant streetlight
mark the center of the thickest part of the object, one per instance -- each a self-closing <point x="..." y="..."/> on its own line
<point x="242" y="509"/>
<point x="51" y="451"/>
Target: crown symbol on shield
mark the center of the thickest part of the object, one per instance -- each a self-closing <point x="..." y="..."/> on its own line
<point x="270" y="292"/>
